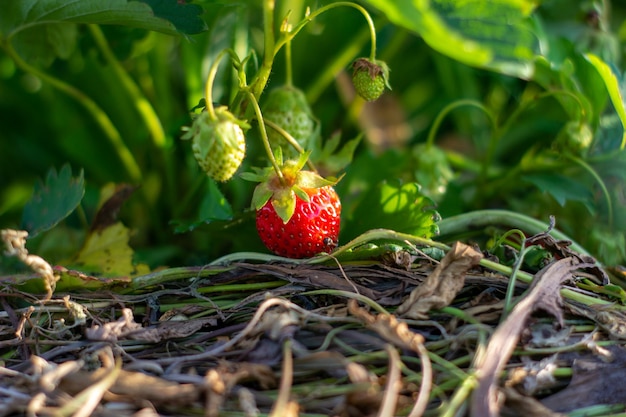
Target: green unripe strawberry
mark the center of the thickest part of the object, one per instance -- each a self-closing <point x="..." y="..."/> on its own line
<point x="288" y="108"/>
<point x="369" y="78"/>
<point x="575" y="137"/>
<point x="219" y="144"/>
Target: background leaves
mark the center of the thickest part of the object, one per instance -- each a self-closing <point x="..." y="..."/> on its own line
<point x="561" y="82"/>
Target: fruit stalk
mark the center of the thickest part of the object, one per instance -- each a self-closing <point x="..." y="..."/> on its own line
<point x="208" y="89"/>
<point x="264" y="139"/>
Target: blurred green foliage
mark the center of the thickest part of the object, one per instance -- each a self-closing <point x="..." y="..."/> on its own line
<point x="521" y="107"/>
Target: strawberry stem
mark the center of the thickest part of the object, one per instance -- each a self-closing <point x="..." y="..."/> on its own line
<point x="264" y="139"/>
<point x="263" y="74"/>
<point x="308" y="18"/>
<point x="288" y="69"/>
<point x="208" y="93"/>
<point x="291" y="140"/>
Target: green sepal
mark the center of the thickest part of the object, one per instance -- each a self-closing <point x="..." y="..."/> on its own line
<point x="254" y="177"/>
<point x="284" y="203"/>
<point x="261" y="195"/>
<point x="385" y="71"/>
<point x="309" y="179"/>
<point x="223" y="114"/>
<point x="301" y="194"/>
<point x="278" y="155"/>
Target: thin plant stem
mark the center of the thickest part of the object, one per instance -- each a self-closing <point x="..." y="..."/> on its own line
<point x="263" y="74"/>
<point x="143" y="106"/>
<point x="272" y="46"/>
<point x="291" y="140"/>
<point x="281" y="406"/>
<point x="264" y="138"/>
<point x="443" y="113"/>
<point x="394" y="384"/>
<point x="481" y="218"/>
<point x="459" y="399"/>
<point x="288" y="65"/>
<point x="314" y="14"/>
<point x="516" y="268"/>
<point x="208" y="89"/>
<point x="605" y="191"/>
<point x="141" y="103"/>
<point x="347" y="294"/>
<point x="427" y="381"/>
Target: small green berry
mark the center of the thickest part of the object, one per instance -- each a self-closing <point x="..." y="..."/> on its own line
<point x="369" y="78"/>
<point x="287" y="107"/>
<point x="575" y="137"/>
<point x="218" y="145"/>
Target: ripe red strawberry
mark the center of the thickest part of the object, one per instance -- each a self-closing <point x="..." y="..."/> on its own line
<point x="298" y="212"/>
<point x="313" y="228"/>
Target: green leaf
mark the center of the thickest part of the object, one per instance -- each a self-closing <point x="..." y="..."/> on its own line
<point x="562" y="188"/>
<point x="53" y="200"/>
<point x="213" y="207"/>
<point x="497" y="35"/>
<point x="398" y="207"/>
<point x="167" y="16"/>
<point x="613" y="84"/>
<point x="107" y="251"/>
<point x="433" y="171"/>
<point x="41" y="30"/>
<point x="185" y="17"/>
<point x="331" y="162"/>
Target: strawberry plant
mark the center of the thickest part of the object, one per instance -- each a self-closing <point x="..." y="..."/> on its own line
<point x="274" y="175"/>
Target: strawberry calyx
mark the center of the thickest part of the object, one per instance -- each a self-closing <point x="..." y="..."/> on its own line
<point x="283" y="192"/>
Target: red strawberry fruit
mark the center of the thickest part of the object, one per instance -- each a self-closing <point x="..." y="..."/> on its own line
<point x="297" y="212"/>
<point x="313" y="228"/>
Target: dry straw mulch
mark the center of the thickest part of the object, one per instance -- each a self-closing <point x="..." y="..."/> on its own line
<point x="400" y="335"/>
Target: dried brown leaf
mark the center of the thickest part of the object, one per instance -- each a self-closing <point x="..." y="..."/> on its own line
<point x="442" y="285"/>
<point x="134" y="387"/>
<point x="115" y="330"/>
<point x="116" y="195"/>
<point x="388" y="327"/>
<point x="170" y="330"/>
<point x="544" y="294"/>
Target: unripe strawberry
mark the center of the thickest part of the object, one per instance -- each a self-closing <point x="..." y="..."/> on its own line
<point x="218" y="145"/>
<point x="575" y="137"/>
<point x="369" y="78"/>
<point x="287" y="107"/>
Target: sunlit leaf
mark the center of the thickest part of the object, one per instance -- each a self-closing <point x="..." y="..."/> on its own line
<point x="497" y="34"/>
<point x="106" y="251"/>
<point x="394" y="206"/>
<point x="612" y="83"/>
<point x="53" y="200"/>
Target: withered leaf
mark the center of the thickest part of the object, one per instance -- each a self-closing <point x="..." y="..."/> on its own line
<point x="388" y="327"/>
<point x="442" y="285"/>
<point x="544" y="294"/>
<point x="135" y="385"/>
